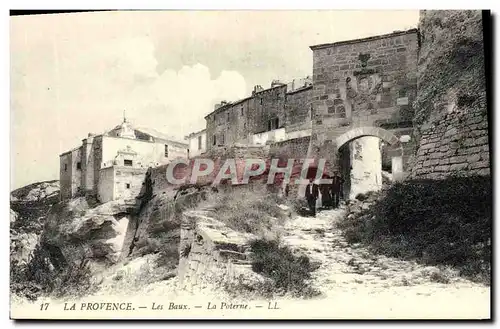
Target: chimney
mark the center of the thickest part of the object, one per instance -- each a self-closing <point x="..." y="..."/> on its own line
<point x="275" y="83"/>
<point x="308" y="81"/>
<point x="256" y="89"/>
<point x="218" y="105"/>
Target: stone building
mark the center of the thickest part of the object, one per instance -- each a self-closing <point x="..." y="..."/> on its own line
<point x="112" y="165"/>
<point x="279" y="113"/>
<point x="362" y="104"/>
<point x="197" y="143"/>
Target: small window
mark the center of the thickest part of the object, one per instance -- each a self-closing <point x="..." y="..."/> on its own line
<point x="227" y="116"/>
<point x="214" y="140"/>
<point x="127" y="163"/>
<point x="261" y="100"/>
<point x="222" y="139"/>
<point x="79" y="165"/>
<point x="166" y="151"/>
<point x="65" y="167"/>
<point x="199" y="142"/>
<point x="402" y="93"/>
<point x="127" y="185"/>
<point x="242" y="110"/>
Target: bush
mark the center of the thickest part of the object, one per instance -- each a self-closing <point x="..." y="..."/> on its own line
<point x="288" y="272"/>
<point x="444" y="222"/>
<point x="49" y="273"/>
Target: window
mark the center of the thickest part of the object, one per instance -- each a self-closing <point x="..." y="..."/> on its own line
<point x="273" y="124"/>
<point x="214" y="140"/>
<point x="79" y="165"/>
<point x="241" y="110"/>
<point x="227" y="116"/>
<point x="199" y="142"/>
<point x="127" y="163"/>
<point x="402" y="93"/>
<point x="222" y="139"/>
<point x="166" y="151"/>
<point x="65" y="167"/>
<point x="261" y="101"/>
<point x="127" y="185"/>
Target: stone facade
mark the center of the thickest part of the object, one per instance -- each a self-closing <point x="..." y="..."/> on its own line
<point x="113" y="164"/>
<point x="452" y="113"/>
<point x="277" y="113"/>
<point x="298" y="109"/>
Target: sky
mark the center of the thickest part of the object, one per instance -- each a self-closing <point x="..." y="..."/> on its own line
<point x="72" y="74"/>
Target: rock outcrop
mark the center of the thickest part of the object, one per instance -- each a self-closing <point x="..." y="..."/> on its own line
<point x="101" y="229"/>
<point x="213" y="256"/>
<point x="29" y="206"/>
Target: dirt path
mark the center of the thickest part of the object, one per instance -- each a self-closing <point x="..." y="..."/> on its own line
<point x="353" y="272"/>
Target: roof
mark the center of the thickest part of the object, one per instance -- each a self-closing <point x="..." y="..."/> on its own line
<point x="155" y="133"/>
<point x="376" y="37"/>
<point x="227" y="105"/>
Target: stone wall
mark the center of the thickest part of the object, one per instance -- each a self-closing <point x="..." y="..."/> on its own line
<point x="65" y="173"/>
<point x="457" y="144"/>
<point x="70" y="173"/>
<point x="451" y="108"/>
<point x="212" y="255"/>
<point x="298" y="109"/>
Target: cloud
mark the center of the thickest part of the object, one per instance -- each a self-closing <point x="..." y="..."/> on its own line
<point x="77" y="91"/>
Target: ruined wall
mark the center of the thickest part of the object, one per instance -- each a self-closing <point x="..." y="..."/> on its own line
<point x="365" y="82"/>
<point x="451" y="111"/>
<point x="211" y="254"/>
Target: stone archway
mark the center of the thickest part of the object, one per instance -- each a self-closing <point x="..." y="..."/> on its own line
<point x="355" y="133"/>
<point x="360" y="158"/>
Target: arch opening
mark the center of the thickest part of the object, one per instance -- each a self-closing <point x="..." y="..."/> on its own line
<point x="367" y="158"/>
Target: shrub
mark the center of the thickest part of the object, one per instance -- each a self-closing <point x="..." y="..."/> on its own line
<point x="444" y="222"/>
<point x="49" y="273"/>
<point x="289" y="273"/>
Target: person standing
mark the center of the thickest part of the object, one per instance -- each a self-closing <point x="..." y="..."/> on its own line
<point x="312" y="193"/>
<point x="336" y="189"/>
<point x="326" y="197"/>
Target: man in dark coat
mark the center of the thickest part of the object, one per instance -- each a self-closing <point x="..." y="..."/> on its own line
<point x="336" y="189"/>
<point x="326" y="197"/>
<point x="312" y="193"/>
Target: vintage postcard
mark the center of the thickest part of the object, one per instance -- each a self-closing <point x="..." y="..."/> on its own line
<point x="325" y="164"/>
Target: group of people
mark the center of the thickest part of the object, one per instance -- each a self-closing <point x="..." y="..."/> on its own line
<point x="330" y="193"/>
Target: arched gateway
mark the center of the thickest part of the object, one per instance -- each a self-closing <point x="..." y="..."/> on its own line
<point x="359" y="158"/>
